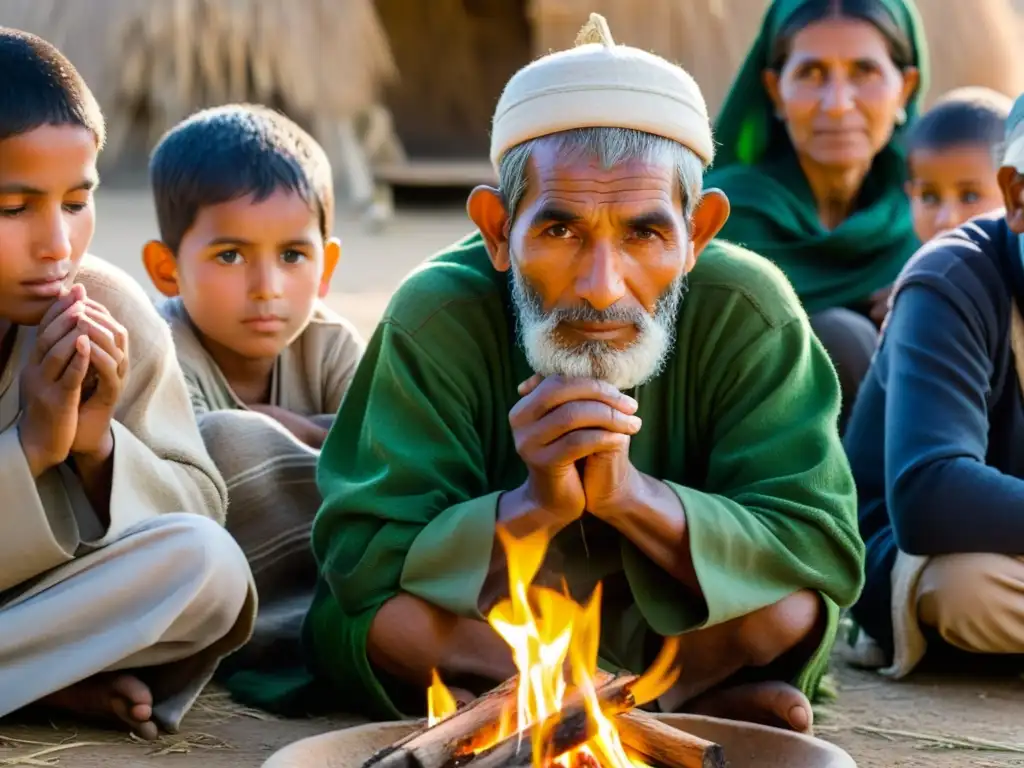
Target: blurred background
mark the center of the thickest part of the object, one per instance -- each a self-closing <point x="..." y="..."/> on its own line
<point x="401" y="92"/>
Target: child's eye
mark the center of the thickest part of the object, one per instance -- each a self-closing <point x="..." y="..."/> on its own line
<point x="75" y="207"/>
<point x="229" y="257"/>
<point x="929" y="198"/>
<point x="969" y="198"/>
<point x="11" y="211"/>
<point x="293" y="257"/>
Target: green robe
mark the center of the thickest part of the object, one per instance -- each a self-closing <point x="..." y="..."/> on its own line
<point x="741" y="425"/>
<point x="774" y="212"/>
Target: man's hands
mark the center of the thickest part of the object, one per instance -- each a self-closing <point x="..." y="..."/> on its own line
<point x="72" y="382"/>
<point x="560" y="422"/>
<point x="303" y="429"/>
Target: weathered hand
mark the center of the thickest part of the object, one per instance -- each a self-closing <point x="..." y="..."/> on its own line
<point x="108" y="357"/>
<point x="51" y="384"/>
<point x="560" y="421"/>
<point x="610" y="481"/>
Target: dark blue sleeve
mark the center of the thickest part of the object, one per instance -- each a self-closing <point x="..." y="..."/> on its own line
<point x="941" y="495"/>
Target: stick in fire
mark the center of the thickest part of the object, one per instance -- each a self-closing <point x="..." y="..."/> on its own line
<point x="451" y="742"/>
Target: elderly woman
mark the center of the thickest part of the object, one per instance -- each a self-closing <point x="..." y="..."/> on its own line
<point x="811" y="160"/>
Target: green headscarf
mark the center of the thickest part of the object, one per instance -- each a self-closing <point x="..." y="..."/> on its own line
<point x="773" y="210"/>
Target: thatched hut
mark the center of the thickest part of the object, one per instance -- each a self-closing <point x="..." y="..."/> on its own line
<point x="409" y="86"/>
<point x="153" y="62"/>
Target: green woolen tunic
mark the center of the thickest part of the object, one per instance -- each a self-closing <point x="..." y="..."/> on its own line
<point x="741" y="424"/>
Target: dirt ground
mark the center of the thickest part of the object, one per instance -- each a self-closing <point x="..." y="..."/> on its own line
<point x="882" y="725"/>
<point x="921" y="723"/>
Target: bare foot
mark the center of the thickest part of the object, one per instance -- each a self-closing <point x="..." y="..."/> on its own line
<point x="109" y="696"/>
<point x="775" y="703"/>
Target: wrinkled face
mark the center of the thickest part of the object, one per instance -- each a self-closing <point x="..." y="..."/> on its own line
<point x="597" y="264"/>
<point x="839" y="92"/>
<point x="249" y="273"/>
<point x="47" y="216"/>
<point x="951" y="185"/>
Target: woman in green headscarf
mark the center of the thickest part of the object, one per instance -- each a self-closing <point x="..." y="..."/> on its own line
<point x="810" y="157"/>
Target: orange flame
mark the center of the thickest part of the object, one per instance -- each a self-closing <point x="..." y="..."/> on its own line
<point x="550" y="634"/>
<point x="440" y="702"/>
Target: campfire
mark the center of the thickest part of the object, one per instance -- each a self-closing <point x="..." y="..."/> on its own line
<point x="560" y="711"/>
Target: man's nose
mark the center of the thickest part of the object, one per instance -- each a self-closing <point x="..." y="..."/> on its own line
<point x="600" y="281"/>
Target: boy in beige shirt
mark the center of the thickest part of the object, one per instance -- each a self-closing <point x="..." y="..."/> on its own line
<point x="245" y="203"/>
<point x="119" y="589"/>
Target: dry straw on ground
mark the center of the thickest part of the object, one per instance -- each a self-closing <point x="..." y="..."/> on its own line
<point x="213" y="708"/>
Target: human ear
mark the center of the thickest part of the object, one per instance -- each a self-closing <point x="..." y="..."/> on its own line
<point x="487" y="210"/>
<point x="708" y="219"/>
<point x="1012" y="185"/>
<point x="161" y="266"/>
<point x="332" y="253"/>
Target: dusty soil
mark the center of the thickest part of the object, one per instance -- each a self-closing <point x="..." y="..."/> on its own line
<point x="921" y="723"/>
<point x="882" y="725"/>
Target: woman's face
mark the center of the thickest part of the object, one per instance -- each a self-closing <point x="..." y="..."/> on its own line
<point x="839" y="92"/>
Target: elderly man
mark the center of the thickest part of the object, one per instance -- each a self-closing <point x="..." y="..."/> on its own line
<point x="671" y="427"/>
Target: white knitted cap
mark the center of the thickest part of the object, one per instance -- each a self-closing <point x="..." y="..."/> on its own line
<point x="599" y="84"/>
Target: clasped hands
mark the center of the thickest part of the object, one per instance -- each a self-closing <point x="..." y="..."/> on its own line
<point x="72" y="383"/>
<point x="574" y="435"/>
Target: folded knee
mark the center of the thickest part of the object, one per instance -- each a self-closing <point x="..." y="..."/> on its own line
<point x="975" y="601"/>
<point x="772" y="631"/>
<point x="209" y="558"/>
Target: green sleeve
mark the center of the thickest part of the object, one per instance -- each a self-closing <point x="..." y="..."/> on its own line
<point x="406" y="504"/>
<point x="777" y="511"/>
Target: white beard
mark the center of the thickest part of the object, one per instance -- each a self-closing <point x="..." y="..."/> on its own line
<point x="625" y="368"/>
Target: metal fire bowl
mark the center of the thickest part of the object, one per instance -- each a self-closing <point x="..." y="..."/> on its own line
<point x="745" y="745"/>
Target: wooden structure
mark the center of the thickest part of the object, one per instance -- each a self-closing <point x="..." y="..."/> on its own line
<point x="402" y="91"/>
<point x="455" y="58"/>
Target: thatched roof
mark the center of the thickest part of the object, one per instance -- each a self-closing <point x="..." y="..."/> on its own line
<point x="163" y="59"/>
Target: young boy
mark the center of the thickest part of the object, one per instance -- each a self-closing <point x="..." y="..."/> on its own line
<point x="119" y="590"/>
<point x="245" y="205"/>
<point x="952" y="159"/>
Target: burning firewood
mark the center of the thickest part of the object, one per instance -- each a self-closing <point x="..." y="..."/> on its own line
<point x="455" y="735"/>
<point x="476" y="726"/>
<point x="560" y="711"/>
<point x="568" y="729"/>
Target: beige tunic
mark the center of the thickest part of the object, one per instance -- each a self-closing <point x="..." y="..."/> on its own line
<point x="52" y="637"/>
<point x="310" y="376"/>
<point x="271" y="475"/>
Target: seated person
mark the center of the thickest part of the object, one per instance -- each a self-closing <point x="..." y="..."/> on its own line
<point x="245" y="206"/>
<point x="568" y="369"/>
<point x="119" y="589"/>
<point x="935" y="443"/>
<point x="952" y="158"/>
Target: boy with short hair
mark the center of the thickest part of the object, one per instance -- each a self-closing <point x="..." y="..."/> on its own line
<point x="245" y="204"/>
<point x="119" y="590"/>
<point x="952" y="160"/>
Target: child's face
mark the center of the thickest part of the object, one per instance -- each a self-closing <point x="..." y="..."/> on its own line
<point x="949" y="186"/>
<point x="47" y="216"/>
<point x="249" y="273"/>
